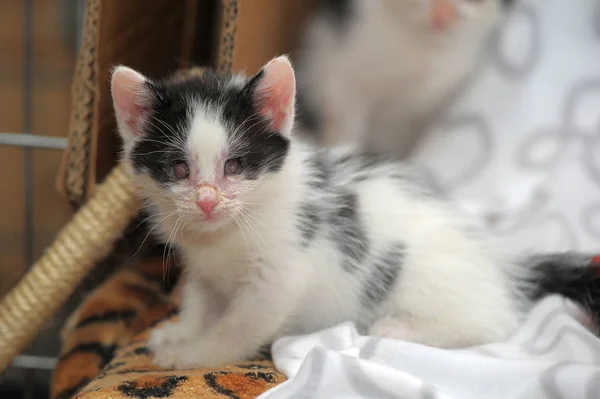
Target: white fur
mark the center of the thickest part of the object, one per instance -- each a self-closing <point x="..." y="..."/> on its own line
<point x="248" y="279"/>
<point x="205" y="143"/>
<point x="453" y="289"/>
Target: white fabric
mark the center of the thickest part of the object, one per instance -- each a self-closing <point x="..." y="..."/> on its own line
<point x="521" y="148"/>
<point x="553" y="356"/>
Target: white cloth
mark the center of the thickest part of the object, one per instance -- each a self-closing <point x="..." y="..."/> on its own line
<point x="521" y="147"/>
<point x="553" y="356"/>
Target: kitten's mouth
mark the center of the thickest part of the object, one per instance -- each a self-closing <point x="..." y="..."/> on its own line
<point x="212" y="222"/>
<point x="211" y="217"/>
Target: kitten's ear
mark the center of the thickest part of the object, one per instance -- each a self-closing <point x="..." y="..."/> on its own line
<point x="131" y="99"/>
<point x="274" y="93"/>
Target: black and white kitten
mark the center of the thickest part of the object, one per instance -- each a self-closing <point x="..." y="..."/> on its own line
<point x="376" y="72"/>
<point x="282" y="238"/>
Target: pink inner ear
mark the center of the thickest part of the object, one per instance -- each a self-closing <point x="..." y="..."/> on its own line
<point x="275" y="92"/>
<point x="127" y="88"/>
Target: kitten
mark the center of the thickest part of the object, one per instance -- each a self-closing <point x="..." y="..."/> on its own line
<point x="376" y="72"/>
<point x="281" y="238"/>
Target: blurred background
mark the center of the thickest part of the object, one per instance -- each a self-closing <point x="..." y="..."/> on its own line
<point x="508" y="147"/>
<point x="38" y="42"/>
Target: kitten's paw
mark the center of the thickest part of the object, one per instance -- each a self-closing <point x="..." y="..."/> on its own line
<point x="173" y="357"/>
<point x="187" y="356"/>
<point x="389" y="327"/>
<point x="170" y="334"/>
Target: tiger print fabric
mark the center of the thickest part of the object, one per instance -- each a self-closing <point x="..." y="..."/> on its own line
<point x="103" y="352"/>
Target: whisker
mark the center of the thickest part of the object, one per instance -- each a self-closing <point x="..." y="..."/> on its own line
<point x="240" y="226"/>
<point x="167" y="249"/>
<point x="151" y="216"/>
<point x="149" y="232"/>
<point x="252" y="230"/>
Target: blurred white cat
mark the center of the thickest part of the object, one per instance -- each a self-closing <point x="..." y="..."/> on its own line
<point x="375" y="72"/>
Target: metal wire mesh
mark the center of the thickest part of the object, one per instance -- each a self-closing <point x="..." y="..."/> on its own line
<point x="33" y="367"/>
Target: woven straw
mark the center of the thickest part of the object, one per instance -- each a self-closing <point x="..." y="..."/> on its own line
<point x="227" y="38"/>
<point x="87" y="238"/>
<point x="74" y="169"/>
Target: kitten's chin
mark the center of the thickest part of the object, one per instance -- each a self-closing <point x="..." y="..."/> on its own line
<point x="211" y="225"/>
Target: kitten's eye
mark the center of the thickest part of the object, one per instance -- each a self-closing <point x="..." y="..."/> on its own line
<point x="233" y="166"/>
<point x="180" y="170"/>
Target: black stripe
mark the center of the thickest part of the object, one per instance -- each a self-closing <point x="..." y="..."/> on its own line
<point x="108" y="317"/>
<point x="142" y="371"/>
<point x="169" y="314"/>
<point x="70" y="392"/>
<point x="142" y="350"/>
<point x="253" y="366"/>
<point x="104" y="352"/>
<point x="109" y="369"/>
<point x="163" y="387"/>
<point x="211" y="381"/>
<point x="113" y="366"/>
<point x="150" y="296"/>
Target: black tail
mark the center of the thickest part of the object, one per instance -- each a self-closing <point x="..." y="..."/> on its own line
<point x="575" y="276"/>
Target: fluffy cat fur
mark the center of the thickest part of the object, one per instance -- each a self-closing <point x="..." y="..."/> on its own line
<point x="280" y="238"/>
<point x="376" y="72"/>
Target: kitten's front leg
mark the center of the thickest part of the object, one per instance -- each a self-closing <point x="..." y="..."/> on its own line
<point x="253" y="318"/>
<point x="199" y="309"/>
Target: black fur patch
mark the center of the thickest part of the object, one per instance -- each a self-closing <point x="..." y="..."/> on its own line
<point x="339" y="12"/>
<point x="348" y="232"/>
<point x="263" y="152"/>
<point x="361" y="166"/>
<point x="318" y="170"/>
<point x="164" y="387"/>
<point x="262" y="149"/>
<point x="383" y="275"/>
<point x="361" y="160"/>
<point x="570" y="274"/>
<point x="310" y="213"/>
<point x="308" y="222"/>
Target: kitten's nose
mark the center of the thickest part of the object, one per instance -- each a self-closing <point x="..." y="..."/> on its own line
<point x="443" y="13"/>
<point x="207" y="205"/>
<point x="207" y="198"/>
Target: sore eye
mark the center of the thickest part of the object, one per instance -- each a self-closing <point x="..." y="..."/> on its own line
<point x="180" y="170"/>
<point x="233" y="166"/>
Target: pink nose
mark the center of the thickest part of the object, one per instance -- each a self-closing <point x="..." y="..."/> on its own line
<point x="207" y="205"/>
